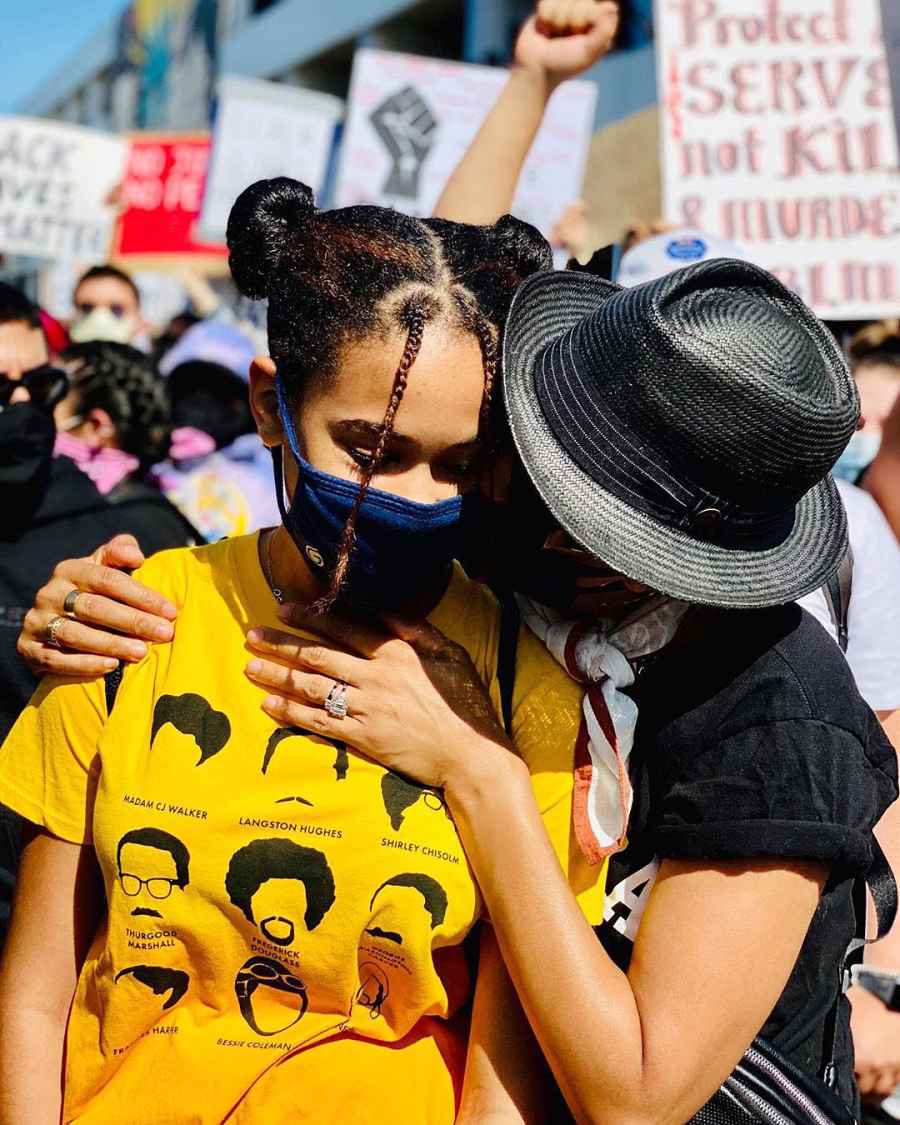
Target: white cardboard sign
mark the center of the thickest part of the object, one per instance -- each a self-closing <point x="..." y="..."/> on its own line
<point x="263" y="130"/>
<point x="778" y="133"/>
<point x="56" y="186"/>
<point x="410" y="120"/>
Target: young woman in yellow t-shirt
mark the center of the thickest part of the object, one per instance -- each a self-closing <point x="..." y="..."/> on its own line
<point x="256" y="924"/>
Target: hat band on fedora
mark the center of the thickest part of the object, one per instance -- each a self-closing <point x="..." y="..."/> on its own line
<point x="605" y="448"/>
<point x="743" y="417"/>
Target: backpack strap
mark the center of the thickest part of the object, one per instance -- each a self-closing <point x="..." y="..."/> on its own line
<point x="837" y="593"/>
<point x="883" y="888"/>
<point x="881" y="884"/>
<point x="111" y="684"/>
<point x="510" y="619"/>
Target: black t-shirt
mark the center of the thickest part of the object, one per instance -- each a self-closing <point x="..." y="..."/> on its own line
<point x="752" y="742"/>
<point x="154" y="520"/>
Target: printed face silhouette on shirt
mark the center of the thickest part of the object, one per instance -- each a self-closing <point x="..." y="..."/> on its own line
<point x="280" y="886"/>
<point x="151" y="864"/>
<point x="267" y="993"/>
<point x="192" y="715"/>
<point x="281" y="734"/>
<point x="405" y="907"/>
<point x="374" y="988"/>
<point x="159" y="980"/>
<point x="400" y="794"/>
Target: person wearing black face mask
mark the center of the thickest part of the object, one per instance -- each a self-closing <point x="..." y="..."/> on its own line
<point x="50" y="508"/>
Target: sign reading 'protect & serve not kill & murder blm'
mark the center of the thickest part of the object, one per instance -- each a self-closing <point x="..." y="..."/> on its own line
<point x="778" y="132"/>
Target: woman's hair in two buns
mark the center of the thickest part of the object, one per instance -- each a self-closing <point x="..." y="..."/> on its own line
<point x="335" y="276"/>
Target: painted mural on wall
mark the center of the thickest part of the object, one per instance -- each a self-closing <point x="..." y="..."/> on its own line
<point x="167" y="62"/>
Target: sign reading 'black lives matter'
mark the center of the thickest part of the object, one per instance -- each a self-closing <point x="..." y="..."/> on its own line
<point x="778" y="132"/>
<point x="56" y="188"/>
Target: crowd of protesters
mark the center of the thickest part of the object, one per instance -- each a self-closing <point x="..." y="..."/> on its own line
<point x="586" y="661"/>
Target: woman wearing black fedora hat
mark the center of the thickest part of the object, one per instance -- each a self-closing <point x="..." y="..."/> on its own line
<point x="682" y="432"/>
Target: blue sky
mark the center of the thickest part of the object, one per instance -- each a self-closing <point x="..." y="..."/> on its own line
<point x="39" y="35"/>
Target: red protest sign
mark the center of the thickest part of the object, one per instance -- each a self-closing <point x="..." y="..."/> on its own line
<point x="162" y="194"/>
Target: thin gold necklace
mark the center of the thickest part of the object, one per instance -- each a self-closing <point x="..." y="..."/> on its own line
<point x="266" y="560"/>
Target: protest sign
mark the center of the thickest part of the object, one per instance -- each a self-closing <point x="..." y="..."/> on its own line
<point x="161" y="197"/>
<point x="263" y="130"/>
<point x="778" y="133"/>
<point x="56" y="187"/>
<point x="410" y="120"/>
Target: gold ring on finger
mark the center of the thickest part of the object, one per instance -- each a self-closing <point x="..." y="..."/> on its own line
<point x="51" y="637"/>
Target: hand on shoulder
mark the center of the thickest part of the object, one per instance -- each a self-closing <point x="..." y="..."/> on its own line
<point x="112" y="618"/>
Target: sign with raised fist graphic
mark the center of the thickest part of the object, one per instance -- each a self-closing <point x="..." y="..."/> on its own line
<point x="410" y="119"/>
<point x="407" y="129"/>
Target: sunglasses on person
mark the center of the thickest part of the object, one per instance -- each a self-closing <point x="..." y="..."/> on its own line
<point x="85" y="308"/>
<point x="47" y="386"/>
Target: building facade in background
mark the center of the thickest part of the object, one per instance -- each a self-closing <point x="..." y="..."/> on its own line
<point x="154" y="67"/>
<point x="157" y="66"/>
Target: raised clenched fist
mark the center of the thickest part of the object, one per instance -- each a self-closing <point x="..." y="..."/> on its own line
<point x="556" y="18"/>
<point x="566" y="37"/>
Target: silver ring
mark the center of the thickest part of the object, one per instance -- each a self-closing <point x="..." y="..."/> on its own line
<point x="336" y="702"/>
<point x="51" y="637"/>
<point x="71" y="601"/>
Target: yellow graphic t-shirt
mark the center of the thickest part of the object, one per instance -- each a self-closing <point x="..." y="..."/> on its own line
<point x="285" y="918"/>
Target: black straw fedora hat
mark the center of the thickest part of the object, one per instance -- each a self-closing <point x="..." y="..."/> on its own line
<point x="684" y="430"/>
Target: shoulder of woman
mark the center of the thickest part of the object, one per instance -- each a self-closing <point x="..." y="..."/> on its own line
<point x="766" y="678"/>
<point x="741" y="667"/>
<point x="814" y="666"/>
<point x="469" y="614"/>
<point x="171" y="572"/>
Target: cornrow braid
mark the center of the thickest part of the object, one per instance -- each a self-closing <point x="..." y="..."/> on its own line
<point x="487" y="339"/>
<point x="347" y="540"/>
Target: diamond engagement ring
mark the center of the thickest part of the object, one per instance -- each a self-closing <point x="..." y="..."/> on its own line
<point x="336" y="703"/>
<point x="51" y="637"/>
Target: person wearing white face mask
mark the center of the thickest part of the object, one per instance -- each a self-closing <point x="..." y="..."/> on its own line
<point x="107" y="307"/>
<point x="875" y="357"/>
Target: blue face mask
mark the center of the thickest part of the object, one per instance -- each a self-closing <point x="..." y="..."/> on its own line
<point x="401" y="546"/>
<point x="861" y="451"/>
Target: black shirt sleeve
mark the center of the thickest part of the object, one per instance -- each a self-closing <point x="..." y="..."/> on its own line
<point x="152" y="519"/>
<point x="800" y="788"/>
